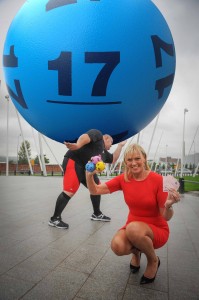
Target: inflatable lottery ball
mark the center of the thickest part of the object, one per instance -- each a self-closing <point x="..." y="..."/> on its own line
<point x="73" y="65"/>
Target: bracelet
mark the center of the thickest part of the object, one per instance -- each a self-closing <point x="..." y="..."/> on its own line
<point x="170" y="207"/>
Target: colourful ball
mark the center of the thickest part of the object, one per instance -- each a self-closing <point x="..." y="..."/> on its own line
<point x="90" y="167"/>
<point x="96" y="158"/>
<point x="100" y="166"/>
<point x="74" y="65"/>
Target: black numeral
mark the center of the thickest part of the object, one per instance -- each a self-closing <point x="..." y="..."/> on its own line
<point x="19" y="96"/>
<point x="163" y="83"/>
<point x="111" y="60"/>
<point x="159" y="46"/>
<point x="63" y="64"/>
<point x="51" y="4"/>
<point x="10" y="60"/>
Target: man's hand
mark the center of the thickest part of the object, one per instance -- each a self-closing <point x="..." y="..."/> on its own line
<point x="82" y="140"/>
<point x="118" y="150"/>
<point x="72" y="146"/>
<point x="122" y="143"/>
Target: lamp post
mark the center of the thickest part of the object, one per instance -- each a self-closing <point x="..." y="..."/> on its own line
<point x="7" y="137"/>
<point x="183" y="143"/>
<point x="166" y="162"/>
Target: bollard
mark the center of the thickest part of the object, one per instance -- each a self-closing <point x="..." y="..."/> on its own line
<point x="181" y="188"/>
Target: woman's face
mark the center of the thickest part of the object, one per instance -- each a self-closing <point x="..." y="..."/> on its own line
<point x="135" y="162"/>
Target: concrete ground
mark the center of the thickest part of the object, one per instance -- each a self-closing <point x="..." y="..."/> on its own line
<point x="41" y="262"/>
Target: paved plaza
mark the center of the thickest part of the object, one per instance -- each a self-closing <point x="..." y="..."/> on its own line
<point x="41" y="262"/>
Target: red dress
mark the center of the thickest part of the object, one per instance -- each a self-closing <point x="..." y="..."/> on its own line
<point x="144" y="199"/>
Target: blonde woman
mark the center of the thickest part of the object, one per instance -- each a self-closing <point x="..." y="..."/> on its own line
<point x="150" y="208"/>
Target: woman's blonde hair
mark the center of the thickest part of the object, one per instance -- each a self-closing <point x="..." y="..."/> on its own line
<point x="130" y="150"/>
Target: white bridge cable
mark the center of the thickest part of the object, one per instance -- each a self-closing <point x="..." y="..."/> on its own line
<point x="154" y="158"/>
<point x="192" y="144"/>
<point x="154" y="129"/>
<point x="138" y="137"/>
<point x="42" y="155"/>
<point x="193" y="140"/>
<point x="52" y="153"/>
<point x="37" y="150"/>
<point x="196" y="170"/>
<point x="26" y="150"/>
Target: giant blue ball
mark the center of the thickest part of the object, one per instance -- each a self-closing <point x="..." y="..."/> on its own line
<point x="73" y="65"/>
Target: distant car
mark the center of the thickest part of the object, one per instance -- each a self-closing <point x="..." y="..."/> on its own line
<point x="184" y="171"/>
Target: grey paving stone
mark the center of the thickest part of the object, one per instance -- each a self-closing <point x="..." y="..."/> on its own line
<point x="6" y="243"/>
<point x="101" y="290"/>
<point x="141" y="293"/>
<point x="73" y="238"/>
<point x="84" y="259"/>
<point x="161" y="281"/>
<point x="29" y="271"/>
<point x="184" y="286"/>
<point x="41" y="262"/>
<point x="12" y="288"/>
<point x="8" y="261"/>
<point x="60" y="284"/>
<point x="38" y="265"/>
<point x="108" y="280"/>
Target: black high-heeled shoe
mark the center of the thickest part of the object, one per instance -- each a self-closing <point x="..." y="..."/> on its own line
<point x="134" y="269"/>
<point x="146" y="280"/>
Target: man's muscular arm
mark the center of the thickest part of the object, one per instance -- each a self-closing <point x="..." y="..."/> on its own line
<point x="118" y="150"/>
<point x="82" y="140"/>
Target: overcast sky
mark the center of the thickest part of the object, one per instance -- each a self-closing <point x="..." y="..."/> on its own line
<point x="182" y="18"/>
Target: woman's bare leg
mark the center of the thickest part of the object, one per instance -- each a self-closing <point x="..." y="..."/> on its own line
<point x="141" y="236"/>
<point x="120" y="244"/>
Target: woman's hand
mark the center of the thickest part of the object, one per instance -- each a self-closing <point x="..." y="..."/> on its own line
<point x="173" y="197"/>
<point x="95" y="189"/>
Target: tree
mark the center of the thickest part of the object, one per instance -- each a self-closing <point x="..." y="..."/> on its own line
<point x="22" y="157"/>
<point x="46" y="160"/>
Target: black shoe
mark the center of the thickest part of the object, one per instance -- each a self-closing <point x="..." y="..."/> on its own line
<point x="134" y="269"/>
<point x="58" y="223"/>
<point x="101" y="217"/>
<point x="146" y="280"/>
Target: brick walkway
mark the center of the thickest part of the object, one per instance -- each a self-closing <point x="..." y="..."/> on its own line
<point x="41" y="262"/>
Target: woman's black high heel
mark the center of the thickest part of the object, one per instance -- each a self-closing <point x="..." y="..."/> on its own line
<point x="134" y="269"/>
<point x="145" y="280"/>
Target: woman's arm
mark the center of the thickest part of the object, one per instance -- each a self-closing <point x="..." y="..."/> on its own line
<point x="95" y="189"/>
<point x="167" y="212"/>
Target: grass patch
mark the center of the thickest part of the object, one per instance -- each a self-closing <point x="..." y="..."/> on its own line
<point x="191" y="183"/>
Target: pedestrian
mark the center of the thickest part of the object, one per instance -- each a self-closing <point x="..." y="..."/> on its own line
<point x="89" y="144"/>
<point x="150" y="208"/>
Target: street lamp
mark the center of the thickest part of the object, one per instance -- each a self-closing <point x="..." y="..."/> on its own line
<point x="183" y="143"/>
